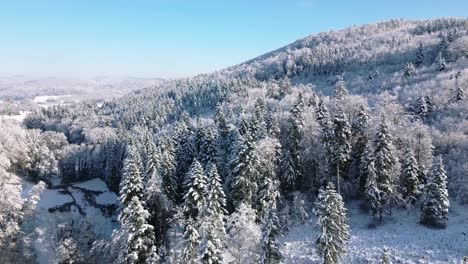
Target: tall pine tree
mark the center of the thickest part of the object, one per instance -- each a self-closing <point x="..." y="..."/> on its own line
<point x="435" y="204"/>
<point x="334" y="235"/>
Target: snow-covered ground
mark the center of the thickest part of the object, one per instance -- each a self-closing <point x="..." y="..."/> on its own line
<point x="18" y="118"/>
<point x="87" y="206"/>
<point x="406" y="240"/>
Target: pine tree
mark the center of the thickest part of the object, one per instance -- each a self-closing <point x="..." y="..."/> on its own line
<point x="269" y="245"/>
<point x="441" y="64"/>
<point x="435" y="202"/>
<point x="152" y="157"/>
<point x="212" y="219"/>
<point x="419" y="59"/>
<point x="138" y="245"/>
<point x="372" y="192"/>
<point x="361" y="138"/>
<point x="294" y="140"/>
<point x="191" y="241"/>
<point x="208" y="150"/>
<point x="366" y="158"/>
<point x="243" y="125"/>
<point x="268" y="195"/>
<point x="340" y="92"/>
<point x="245" y="173"/>
<point x="258" y="128"/>
<point x="422" y="108"/>
<point x="332" y="240"/>
<point x="184" y="155"/>
<point x="410" y="178"/>
<point x="459" y="94"/>
<point x="384" y="162"/>
<point x="288" y="174"/>
<point x="409" y="70"/>
<point x="195" y="185"/>
<point x="132" y="183"/>
<point x="298" y="207"/>
<point x="385" y="257"/>
<point x="342" y="144"/>
<point x="168" y="168"/>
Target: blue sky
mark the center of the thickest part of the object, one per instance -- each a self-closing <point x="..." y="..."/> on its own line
<point x="174" y="38"/>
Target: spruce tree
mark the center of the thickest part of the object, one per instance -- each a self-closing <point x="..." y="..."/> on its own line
<point x="360" y="139"/>
<point x="288" y="174"/>
<point x="258" y="127"/>
<point x="245" y="173"/>
<point x="195" y="185"/>
<point x="419" y="59"/>
<point x="243" y="124"/>
<point x="152" y="157"/>
<point x="268" y="195"/>
<point x="341" y="145"/>
<point x="435" y="202"/>
<point x="138" y="244"/>
<point x="372" y="192"/>
<point x="333" y="238"/>
<point x="132" y="182"/>
<point x="459" y="94"/>
<point x="409" y="70"/>
<point x="340" y="92"/>
<point x="422" y="108"/>
<point x="384" y="162"/>
<point x="269" y="245"/>
<point x="441" y="64"/>
<point x="294" y="139"/>
<point x="168" y="168"/>
<point x="190" y="244"/>
<point x="385" y="257"/>
<point x="298" y="207"/>
<point x="410" y="178"/>
<point x="212" y="219"/>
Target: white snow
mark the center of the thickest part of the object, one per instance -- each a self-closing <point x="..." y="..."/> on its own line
<point x="406" y="240"/>
<point x="52" y="198"/>
<point x="93" y="185"/>
<point x="107" y="198"/>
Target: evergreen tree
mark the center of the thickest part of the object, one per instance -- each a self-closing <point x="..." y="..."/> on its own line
<point x="268" y="195"/>
<point x="195" y="185"/>
<point x="459" y="94"/>
<point x="190" y="245"/>
<point x="435" y="204"/>
<point x="212" y="219"/>
<point x="409" y="70"/>
<point x="340" y="92"/>
<point x="288" y="174"/>
<point x="419" y="59"/>
<point x="152" y="157"/>
<point x="269" y="245"/>
<point x="294" y="140"/>
<point x="366" y="158"/>
<point x="132" y="183"/>
<point x="342" y="144"/>
<point x="384" y="162"/>
<point x="298" y="207"/>
<point x="209" y="146"/>
<point x="243" y="125"/>
<point x="334" y="235"/>
<point x="385" y="257"/>
<point x="360" y="138"/>
<point x="372" y="192"/>
<point x="184" y="155"/>
<point x="441" y="64"/>
<point x="168" y="168"/>
<point x="422" y="109"/>
<point x="258" y="128"/>
<point x="245" y="173"/>
<point x="138" y="245"/>
<point x="410" y="178"/>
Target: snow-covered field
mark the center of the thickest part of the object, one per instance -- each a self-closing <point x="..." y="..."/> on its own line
<point x="406" y="240"/>
<point x="85" y="206"/>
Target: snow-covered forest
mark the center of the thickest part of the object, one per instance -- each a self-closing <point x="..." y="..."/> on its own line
<point x="346" y="146"/>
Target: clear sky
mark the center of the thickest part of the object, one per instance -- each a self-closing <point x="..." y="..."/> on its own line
<point x="174" y="38"/>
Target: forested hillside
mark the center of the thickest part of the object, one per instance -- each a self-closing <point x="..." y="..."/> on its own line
<point x="217" y="167"/>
